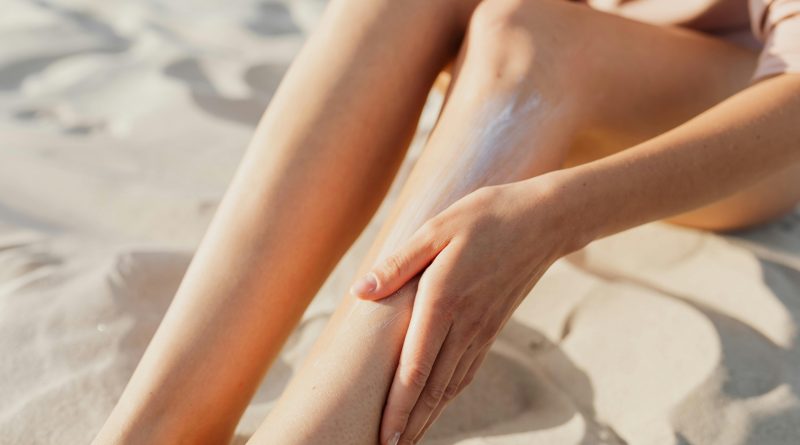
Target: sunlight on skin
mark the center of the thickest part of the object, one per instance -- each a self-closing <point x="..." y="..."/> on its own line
<point x="455" y="143"/>
<point x="367" y="336"/>
<point x="278" y="232"/>
<point x="309" y="183"/>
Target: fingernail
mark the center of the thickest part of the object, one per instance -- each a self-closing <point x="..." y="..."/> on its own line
<point x="394" y="439"/>
<point x="365" y="285"/>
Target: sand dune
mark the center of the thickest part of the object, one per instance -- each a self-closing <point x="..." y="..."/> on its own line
<point x="659" y="335"/>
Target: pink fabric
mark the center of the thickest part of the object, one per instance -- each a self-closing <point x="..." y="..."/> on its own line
<point x="777" y="24"/>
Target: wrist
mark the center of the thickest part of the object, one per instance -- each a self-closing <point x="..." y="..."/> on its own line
<point x="566" y="196"/>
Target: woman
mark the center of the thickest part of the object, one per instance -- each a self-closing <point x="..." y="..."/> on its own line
<point x="562" y="124"/>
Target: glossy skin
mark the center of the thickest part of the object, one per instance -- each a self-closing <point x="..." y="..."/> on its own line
<point x="310" y="181"/>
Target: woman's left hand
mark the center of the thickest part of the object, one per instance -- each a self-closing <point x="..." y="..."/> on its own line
<point x="480" y="257"/>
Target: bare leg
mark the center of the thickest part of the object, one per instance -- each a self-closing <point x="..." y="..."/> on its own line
<point x="563" y="93"/>
<point x="319" y="164"/>
<point x="533" y="81"/>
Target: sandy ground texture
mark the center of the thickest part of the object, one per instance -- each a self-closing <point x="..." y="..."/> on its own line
<point x="121" y="123"/>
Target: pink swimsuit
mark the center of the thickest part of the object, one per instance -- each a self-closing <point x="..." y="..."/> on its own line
<point x="777" y="24"/>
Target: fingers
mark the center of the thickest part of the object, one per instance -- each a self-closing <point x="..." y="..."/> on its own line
<point x="472" y="359"/>
<point x="393" y="272"/>
<point x="432" y="396"/>
<point x="425" y="336"/>
<point x="473" y="368"/>
<point x="462" y="369"/>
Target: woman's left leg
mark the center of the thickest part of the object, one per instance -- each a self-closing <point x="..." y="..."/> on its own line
<point x="530" y="77"/>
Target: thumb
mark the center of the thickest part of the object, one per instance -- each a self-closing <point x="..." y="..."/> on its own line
<point x="393" y="272"/>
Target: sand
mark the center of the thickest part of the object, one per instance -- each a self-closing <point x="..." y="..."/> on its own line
<point x="120" y="125"/>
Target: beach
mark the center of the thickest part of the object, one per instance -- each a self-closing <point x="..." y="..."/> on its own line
<point x="121" y="124"/>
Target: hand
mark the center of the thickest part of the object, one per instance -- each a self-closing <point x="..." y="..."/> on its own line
<point x="481" y="256"/>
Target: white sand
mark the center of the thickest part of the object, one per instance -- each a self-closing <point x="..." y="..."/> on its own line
<point x="120" y="125"/>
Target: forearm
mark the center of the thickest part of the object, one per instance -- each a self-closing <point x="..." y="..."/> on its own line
<point x="318" y="166"/>
<point x="729" y="147"/>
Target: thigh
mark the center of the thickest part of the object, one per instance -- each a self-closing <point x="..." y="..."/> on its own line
<point x="635" y="81"/>
<point x="639" y="80"/>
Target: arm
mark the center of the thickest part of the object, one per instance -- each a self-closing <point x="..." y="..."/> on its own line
<point x="498" y="241"/>
<point x="731" y="146"/>
<point x="734" y="144"/>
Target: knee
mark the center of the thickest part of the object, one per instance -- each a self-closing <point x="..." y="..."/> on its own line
<point x="514" y="42"/>
<point x="500" y="42"/>
<point x="499" y="15"/>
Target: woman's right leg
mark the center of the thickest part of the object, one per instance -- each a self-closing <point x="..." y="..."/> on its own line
<point x="319" y="164"/>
